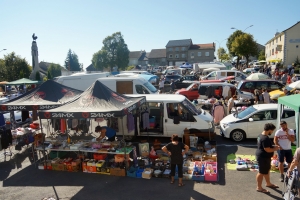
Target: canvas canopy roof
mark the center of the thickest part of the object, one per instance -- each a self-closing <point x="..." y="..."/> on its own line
<point x="97" y="101"/>
<point x="291" y="101"/>
<point x="22" y="81"/>
<point x="48" y="95"/>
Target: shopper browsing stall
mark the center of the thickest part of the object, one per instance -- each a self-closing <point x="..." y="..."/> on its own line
<point x="264" y="153"/>
<point x="174" y="150"/>
<point x="283" y="138"/>
<point x="106" y="132"/>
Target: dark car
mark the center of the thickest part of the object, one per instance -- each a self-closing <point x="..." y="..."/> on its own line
<point x="251" y="85"/>
<point x="185" y="81"/>
<point x="168" y="78"/>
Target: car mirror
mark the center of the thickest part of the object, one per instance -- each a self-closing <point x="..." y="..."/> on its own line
<point x="250" y="119"/>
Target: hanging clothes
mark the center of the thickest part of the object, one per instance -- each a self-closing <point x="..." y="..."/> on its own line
<point x="145" y="116"/>
<point x="218" y="113"/>
<point x="130" y="122"/>
<point x="2" y="120"/>
<point x="225" y="92"/>
<point x="74" y="123"/>
<point x="6" y="138"/>
<point x="63" y="127"/>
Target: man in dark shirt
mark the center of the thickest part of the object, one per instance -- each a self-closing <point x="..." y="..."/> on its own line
<point x="264" y="152"/>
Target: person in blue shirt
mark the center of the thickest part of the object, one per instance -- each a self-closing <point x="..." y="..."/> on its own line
<point x="108" y="132"/>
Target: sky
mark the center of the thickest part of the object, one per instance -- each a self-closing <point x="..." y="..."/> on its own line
<point x="81" y="25"/>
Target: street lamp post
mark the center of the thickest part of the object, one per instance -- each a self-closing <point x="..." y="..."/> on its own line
<point x="3" y="50"/>
<point x="240" y="30"/>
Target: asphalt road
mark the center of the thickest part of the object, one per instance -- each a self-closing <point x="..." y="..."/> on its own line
<point x="22" y="180"/>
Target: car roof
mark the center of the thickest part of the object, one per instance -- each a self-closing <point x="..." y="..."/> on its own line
<point x="259" y="80"/>
<point x="219" y="83"/>
<point x="172" y="98"/>
<point x="267" y="106"/>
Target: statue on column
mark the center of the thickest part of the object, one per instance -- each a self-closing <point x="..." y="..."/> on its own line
<point x="35" y="59"/>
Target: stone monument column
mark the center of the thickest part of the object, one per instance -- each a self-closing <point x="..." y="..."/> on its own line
<point x="35" y="58"/>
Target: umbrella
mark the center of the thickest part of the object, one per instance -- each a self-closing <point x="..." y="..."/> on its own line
<point x="233" y="68"/>
<point x="186" y="65"/>
<point x="295" y="85"/>
<point x="22" y="81"/>
<point x="257" y="76"/>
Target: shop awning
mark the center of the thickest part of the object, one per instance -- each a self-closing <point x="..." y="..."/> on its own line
<point x="22" y="81"/>
<point x="291" y="101"/>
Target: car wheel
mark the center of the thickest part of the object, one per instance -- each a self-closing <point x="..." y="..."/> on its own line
<point x="238" y="135"/>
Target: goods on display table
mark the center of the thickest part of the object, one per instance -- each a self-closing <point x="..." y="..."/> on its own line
<point x="118" y="159"/>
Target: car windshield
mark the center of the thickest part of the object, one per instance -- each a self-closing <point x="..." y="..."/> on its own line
<point x="191" y="86"/>
<point x="246" y="112"/>
<point x="240" y="84"/>
<point x="150" y="87"/>
<point x="287" y="87"/>
<point x="191" y="107"/>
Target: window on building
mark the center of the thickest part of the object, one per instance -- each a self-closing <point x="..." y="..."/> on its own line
<point x="170" y="56"/>
<point x="177" y="49"/>
<point x="199" y="53"/>
<point x="183" y="55"/>
<point x="266" y="55"/>
<point x="182" y="48"/>
<point x="207" y="53"/>
<point x="276" y="40"/>
<point x="280" y="38"/>
<point x="273" y="42"/>
<point x="272" y="51"/>
<point x="192" y="54"/>
<point x="171" y="49"/>
<point x="176" y="55"/>
<point x="163" y="59"/>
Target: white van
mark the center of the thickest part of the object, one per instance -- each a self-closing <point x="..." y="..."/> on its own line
<point x="216" y="75"/>
<point x="135" y="72"/>
<point x="165" y="110"/>
<point x="129" y="85"/>
<point x="80" y="81"/>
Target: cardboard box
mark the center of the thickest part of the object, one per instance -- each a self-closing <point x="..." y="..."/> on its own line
<point x="55" y="164"/>
<point x="99" y="165"/>
<point x="91" y="166"/>
<point x="84" y="165"/>
<point x="76" y="165"/>
<point x="117" y="172"/>
<point x="147" y="173"/>
<point x="49" y="165"/>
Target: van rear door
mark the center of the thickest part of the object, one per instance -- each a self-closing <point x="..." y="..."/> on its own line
<point x="124" y="87"/>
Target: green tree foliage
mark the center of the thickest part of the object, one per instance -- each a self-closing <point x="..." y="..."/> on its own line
<point x="230" y="40"/>
<point x="262" y="55"/>
<point x="225" y="56"/>
<point x="220" y="52"/>
<point x="37" y="76"/>
<point x="113" y="53"/>
<point x="13" y="67"/>
<point x="130" y="67"/>
<point x="54" y="70"/>
<point x="71" y="62"/>
<point x="244" y="45"/>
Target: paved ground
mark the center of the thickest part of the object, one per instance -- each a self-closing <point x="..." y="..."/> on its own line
<point x="19" y="179"/>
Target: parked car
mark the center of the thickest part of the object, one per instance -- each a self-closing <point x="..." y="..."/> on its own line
<point x="275" y="94"/>
<point x="225" y="73"/>
<point x="192" y="91"/>
<point x="185" y="81"/>
<point x="251" y="85"/>
<point x="250" y="70"/>
<point x="168" y="78"/>
<point x="250" y="122"/>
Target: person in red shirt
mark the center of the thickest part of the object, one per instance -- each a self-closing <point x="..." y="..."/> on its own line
<point x="289" y="80"/>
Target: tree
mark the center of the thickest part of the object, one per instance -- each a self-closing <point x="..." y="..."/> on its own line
<point x="113" y="53"/>
<point x="230" y="40"/>
<point x="37" y="76"/>
<point x="244" y="45"/>
<point x="13" y="67"/>
<point x="72" y="63"/>
<point x="225" y="56"/>
<point x="262" y="55"/>
<point x="54" y="70"/>
<point x="220" y="52"/>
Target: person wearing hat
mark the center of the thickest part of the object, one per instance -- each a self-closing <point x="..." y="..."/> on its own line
<point x="284" y="138"/>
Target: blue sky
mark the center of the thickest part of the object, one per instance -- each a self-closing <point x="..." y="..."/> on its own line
<point x="82" y="25"/>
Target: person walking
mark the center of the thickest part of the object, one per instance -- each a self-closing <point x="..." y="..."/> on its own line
<point x="174" y="150"/>
<point x="161" y="85"/>
<point x="266" y="96"/>
<point x="172" y="85"/>
<point x="230" y="104"/>
<point x="283" y="138"/>
<point x="264" y="152"/>
<point x="284" y="78"/>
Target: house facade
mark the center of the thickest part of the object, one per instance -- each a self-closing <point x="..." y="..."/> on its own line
<point x="157" y="57"/>
<point x="177" y="51"/>
<point x="284" y="46"/>
<point x="198" y="53"/>
<point x="138" y="58"/>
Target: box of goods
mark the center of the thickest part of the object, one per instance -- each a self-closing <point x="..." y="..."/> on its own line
<point x="198" y="173"/>
<point x="211" y="171"/>
<point x="99" y="165"/>
<point x="91" y="166"/>
<point x="99" y="156"/>
<point x="147" y="173"/>
<point x="106" y="145"/>
<point x="42" y="166"/>
<point x="139" y="172"/>
<point x="188" y="165"/>
<point x="54" y="164"/>
<point x="166" y="173"/>
<point x="60" y="165"/>
<point x="104" y="169"/>
<point x="84" y="165"/>
<point x="131" y="172"/>
<point x="210" y="158"/>
<point x="49" y="165"/>
<point x="67" y="161"/>
<point x="76" y="165"/>
<point x="144" y="149"/>
<point x="117" y="172"/>
<point x="157" y="173"/>
<point x="121" y="157"/>
<point x="197" y="155"/>
<point x="187" y="174"/>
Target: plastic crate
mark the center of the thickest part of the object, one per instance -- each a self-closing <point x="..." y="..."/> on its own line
<point x="98" y="156"/>
<point x="139" y="173"/>
<point x="213" y="177"/>
<point x="132" y="172"/>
